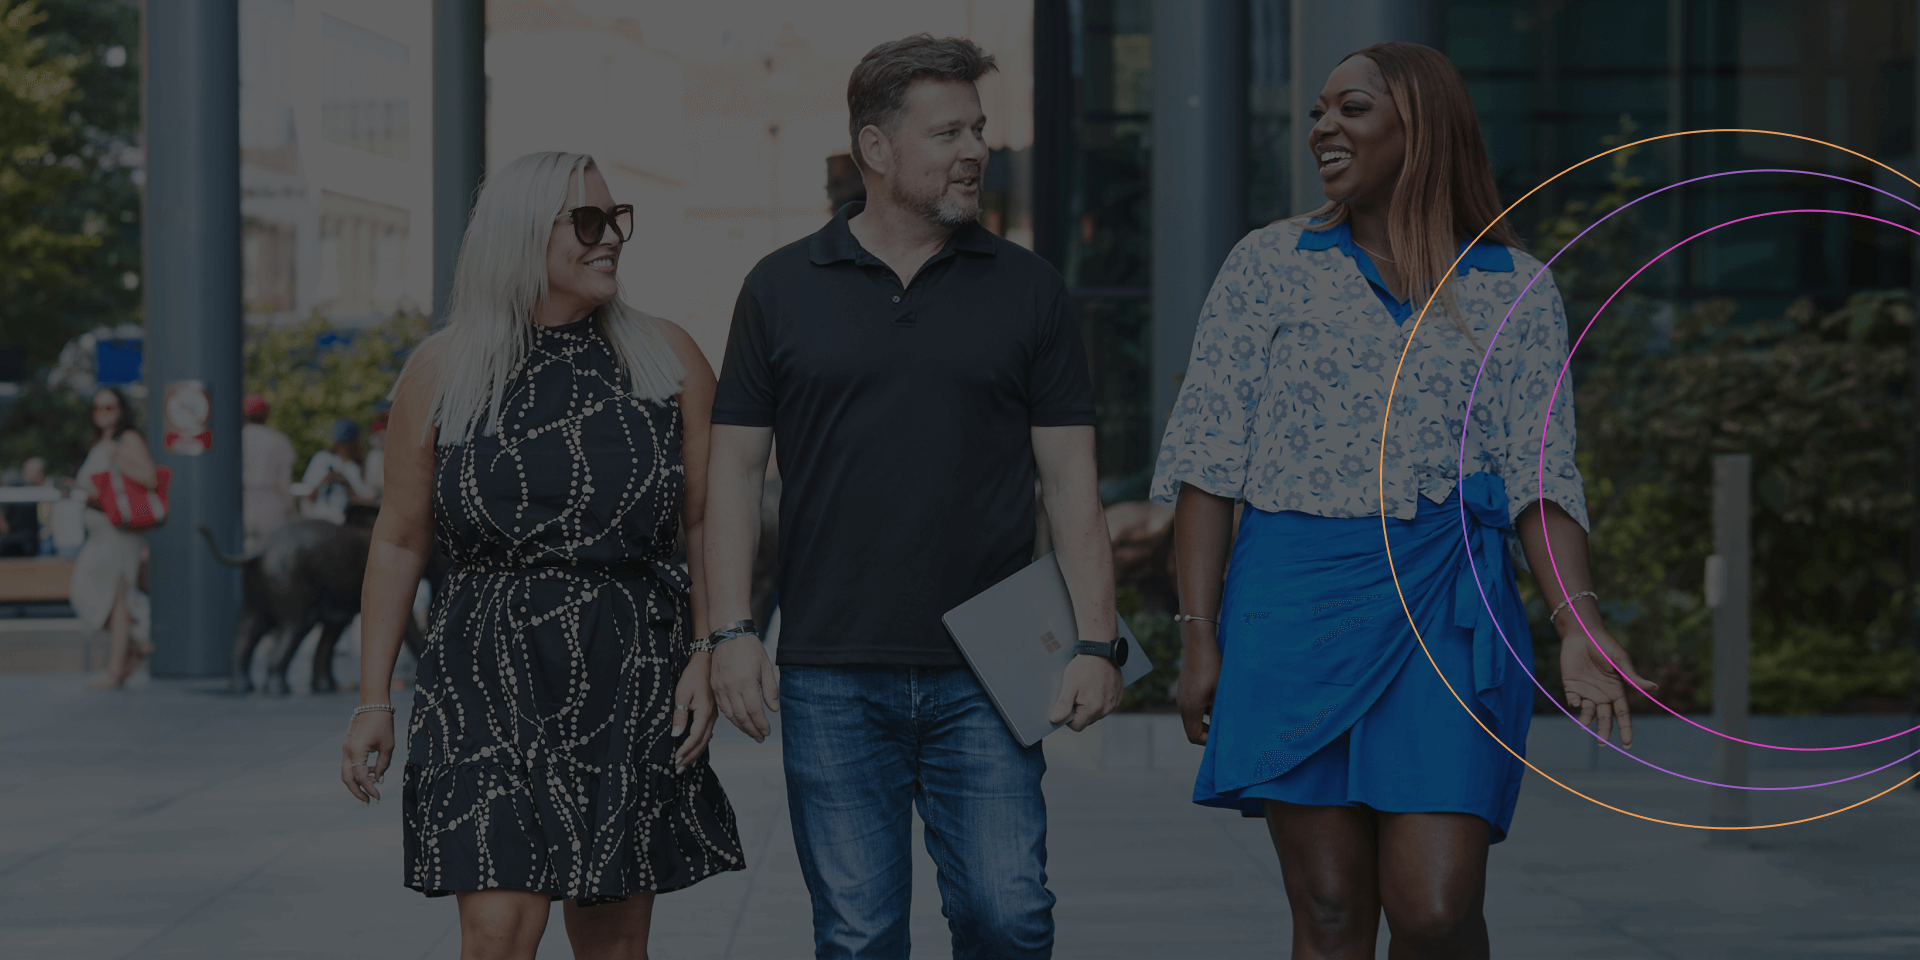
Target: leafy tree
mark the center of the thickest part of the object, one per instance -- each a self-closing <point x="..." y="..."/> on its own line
<point x="99" y="140"/>
<point x="1159" y="639"/>
<point x="50" y="422"/>
<point x="312" y="374"/>
<point x="1813" y="396"/>
<point x="41" y="255"/>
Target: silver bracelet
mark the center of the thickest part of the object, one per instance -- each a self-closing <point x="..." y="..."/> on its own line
<point x="1564" y="604"/>
<point x="738" y="628"/>
<point x="1183" y="618"/>
<point x="370" y="708"/>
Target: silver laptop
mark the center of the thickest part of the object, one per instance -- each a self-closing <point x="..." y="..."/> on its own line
<point x="1018" y="636"/>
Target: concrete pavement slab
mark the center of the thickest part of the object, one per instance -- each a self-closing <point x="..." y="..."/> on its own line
<point x="170" y="821"/>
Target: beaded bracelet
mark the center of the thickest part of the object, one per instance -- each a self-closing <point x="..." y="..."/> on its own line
<point x="1555" y="615"/>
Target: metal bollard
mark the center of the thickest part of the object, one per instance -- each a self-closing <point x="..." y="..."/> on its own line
<point x="1730" y="594"/>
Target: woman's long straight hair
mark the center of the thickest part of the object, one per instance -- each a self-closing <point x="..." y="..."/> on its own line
<point x="499" y="283"/>
<point x="1445" y="193"/>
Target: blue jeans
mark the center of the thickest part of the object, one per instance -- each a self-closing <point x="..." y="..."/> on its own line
<point x="860" y="744"/>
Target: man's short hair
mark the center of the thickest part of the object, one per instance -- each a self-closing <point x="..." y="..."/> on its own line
<point x="877" y="91"/>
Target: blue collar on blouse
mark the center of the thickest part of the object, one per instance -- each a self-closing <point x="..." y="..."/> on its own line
<point x="1491" y="257"/>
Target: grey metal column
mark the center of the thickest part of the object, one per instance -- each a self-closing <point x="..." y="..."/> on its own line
<point x="1730" y="593"/>
<point x="1199" y="162"/>
<point x="1324" y="32"/>
<point x="459" y="130"/>
<point x="1913" y="482"/>
<point x="1052" y="127"/>
<point x="192" y="281"/>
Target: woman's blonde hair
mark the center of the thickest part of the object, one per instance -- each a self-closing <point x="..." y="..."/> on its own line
<point x="499" y="283"/>
<point x="1445" y="193"/>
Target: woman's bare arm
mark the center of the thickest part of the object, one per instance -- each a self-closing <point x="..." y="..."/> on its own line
<point x="1202" y="531"/>
<point x="402" y="543"/>
<point x="693" y="692"/>
<point x="1591" y="684"/>
<point x="696" y="413"/>
<point x="132" y="459"/>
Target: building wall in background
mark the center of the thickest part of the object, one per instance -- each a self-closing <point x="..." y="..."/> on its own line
<point x="336" y="159"/>
<point x="717" y="120"/>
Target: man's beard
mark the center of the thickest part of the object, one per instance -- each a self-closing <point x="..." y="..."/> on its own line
<point x="936" y="207"/>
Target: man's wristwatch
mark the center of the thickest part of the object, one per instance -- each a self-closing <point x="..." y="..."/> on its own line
<point x="1114" y="651"/>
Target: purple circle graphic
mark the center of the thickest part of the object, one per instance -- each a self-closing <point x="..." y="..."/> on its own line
<point x="1540" y="477"/>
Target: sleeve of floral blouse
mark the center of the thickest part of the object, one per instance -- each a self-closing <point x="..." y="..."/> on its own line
<point x="1541" y="404"/>
<point x="1208" y="433"/>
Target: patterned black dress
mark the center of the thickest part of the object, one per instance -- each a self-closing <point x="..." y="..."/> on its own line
<point x="539" y="755"/>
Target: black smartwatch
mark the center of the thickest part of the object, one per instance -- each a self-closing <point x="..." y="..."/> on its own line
<point x="1114" y="652"/>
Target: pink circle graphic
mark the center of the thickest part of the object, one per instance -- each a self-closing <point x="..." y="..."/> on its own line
<point x="1541" y="482"/>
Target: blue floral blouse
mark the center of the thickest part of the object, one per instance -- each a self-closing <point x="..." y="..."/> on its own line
<point x="1292" y="358"/>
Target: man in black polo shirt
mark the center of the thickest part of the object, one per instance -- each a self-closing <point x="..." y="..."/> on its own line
<point x="918" y="371"/>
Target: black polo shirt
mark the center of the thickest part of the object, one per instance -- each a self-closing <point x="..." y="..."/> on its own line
<point x="901" y="424"/>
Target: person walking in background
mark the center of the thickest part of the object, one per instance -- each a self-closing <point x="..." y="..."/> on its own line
<point x="918" y="371"/>
<point x="1379" y="791"/>
<point x="374" y="469"/>
<point x="554" y="441"/>
<point x="266" y="473"/>
<point x="20" y="522"/>
<point x="334" y="478"/>
<point x="105" y="589"/>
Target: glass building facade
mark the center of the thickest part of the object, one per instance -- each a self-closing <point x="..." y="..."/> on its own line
<point x="1555" y="83"/>
<point x="1102" y="240"/>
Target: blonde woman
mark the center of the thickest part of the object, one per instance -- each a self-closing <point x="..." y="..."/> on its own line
<point x="553" y="441"/>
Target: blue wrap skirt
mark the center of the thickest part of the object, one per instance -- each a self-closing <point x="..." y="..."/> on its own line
<point x="1325" y="697"/>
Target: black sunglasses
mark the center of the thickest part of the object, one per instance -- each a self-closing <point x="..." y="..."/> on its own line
<point x="591" y="223"/>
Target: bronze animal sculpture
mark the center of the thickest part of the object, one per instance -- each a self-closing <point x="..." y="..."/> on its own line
<point x="307" y="573"/>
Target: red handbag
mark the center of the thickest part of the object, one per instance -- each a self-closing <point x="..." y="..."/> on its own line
<point x="127" y="504"/>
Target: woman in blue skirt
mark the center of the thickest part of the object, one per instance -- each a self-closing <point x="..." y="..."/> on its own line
<point x="1302" y="674"/>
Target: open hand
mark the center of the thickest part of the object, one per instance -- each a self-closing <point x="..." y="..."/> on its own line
<point x="1596" y="688"/>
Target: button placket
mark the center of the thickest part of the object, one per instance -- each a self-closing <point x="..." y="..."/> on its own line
<point x="902" y="310"/>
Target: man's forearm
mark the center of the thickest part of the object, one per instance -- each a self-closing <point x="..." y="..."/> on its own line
<point x="730" y="539"/>
<point x="1085" y="555"/>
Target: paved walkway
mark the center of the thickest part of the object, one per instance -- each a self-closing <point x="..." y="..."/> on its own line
<point x="169" y="821"/>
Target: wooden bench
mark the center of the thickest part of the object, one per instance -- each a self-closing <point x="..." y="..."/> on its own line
<point x="35" y="645"/>
<point x="34" y="579"/>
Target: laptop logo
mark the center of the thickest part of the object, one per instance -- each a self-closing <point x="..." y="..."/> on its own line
<point x="1047" y="640"/>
